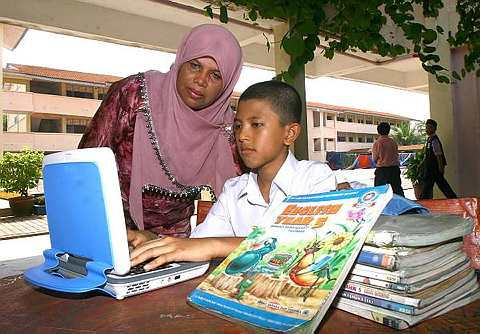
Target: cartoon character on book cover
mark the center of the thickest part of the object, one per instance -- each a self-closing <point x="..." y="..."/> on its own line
<point x="292" y="266"/>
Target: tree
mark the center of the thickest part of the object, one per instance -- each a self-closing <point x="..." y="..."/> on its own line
<point x="406" y="134"/>
<point x="352" y="25"/>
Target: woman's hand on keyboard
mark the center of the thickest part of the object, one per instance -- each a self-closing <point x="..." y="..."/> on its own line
<point x="136" y="238"/>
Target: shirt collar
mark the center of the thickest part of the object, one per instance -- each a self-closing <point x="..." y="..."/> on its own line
<point x="286" y="173"/>
<point x="282" y="180"/>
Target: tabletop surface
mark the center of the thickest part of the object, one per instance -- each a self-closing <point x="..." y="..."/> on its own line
<point x="25" y="309"/>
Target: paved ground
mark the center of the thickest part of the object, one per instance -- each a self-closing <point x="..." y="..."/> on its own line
<point x="16" y="227"/>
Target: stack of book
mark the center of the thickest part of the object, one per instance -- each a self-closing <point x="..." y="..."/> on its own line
<point x="411" y="268"/>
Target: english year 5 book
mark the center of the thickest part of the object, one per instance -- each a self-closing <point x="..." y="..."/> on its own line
<point x="287" y="271"/>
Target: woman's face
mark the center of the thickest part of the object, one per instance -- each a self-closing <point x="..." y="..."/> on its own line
<point x="199" y="82"/>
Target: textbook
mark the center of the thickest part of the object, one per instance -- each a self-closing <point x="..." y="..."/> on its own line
<point x="412" y="287"/>
<point x="396" y="258"/>
<point x="287" y="271"/>
<point x="400" y="320"/>
<point x="409" y="275"/>
<point x="418" y="230"/>
<point x="408" y="309"/>
<point x="418" y="299"/>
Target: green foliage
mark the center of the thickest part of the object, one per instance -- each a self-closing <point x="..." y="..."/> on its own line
<point x="352" y="25"/>
<point x="406" y="134"/>
<point x="415" y="167"/>
<point x="39" y="200"/>
<point x="20" y="171"/>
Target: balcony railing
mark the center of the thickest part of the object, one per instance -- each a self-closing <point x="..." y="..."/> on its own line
<point x="13" y="141"/>
<point x="48" y="104"/>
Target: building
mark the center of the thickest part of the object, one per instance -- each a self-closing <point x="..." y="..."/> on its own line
<point x="340" y="129"/>
<point x="48" y="109"/>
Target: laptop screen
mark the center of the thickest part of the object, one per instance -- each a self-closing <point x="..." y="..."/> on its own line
<point x="84" y="208"/>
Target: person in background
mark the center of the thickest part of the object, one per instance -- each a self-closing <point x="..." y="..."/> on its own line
<point x="363" y="161"/>
<point x="385" y="155"/>
<point x="172" y="130"/>
<point x="434" y="164"/>
<point x="265" y="125"/>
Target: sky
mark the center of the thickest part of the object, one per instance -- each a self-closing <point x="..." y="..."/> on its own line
<point x="46" y="49"/>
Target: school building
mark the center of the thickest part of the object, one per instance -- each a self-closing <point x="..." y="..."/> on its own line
<point x="48" y="109"/>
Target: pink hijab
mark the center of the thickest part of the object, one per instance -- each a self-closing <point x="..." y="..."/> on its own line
<point x="193" y="143"/>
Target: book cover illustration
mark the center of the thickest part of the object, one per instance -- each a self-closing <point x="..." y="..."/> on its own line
<point x="288" y="270"/>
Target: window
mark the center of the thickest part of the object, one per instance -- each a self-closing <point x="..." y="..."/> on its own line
<point x="360" y="120"/>
<point x="341" y="118"/>
<point x="52" y="125"/>
<point x="76" y="125"/>
<point x="350" y="139"/>
<point x="341" y="138"/>
<point x="45" y="87"/>
<point x="361" y="139"/>
<point x="14" y="122"/>
<point x="329" y="117"/>
<point x="368" y="121"/>
<point x="86" y="95"/>
<point x="316" y="119"/>
<point x="101" y="93"/>
<point x="350" y="119"/>
<point x="317" y="144"/>
<point x="14" y="87"/>
<point x="79" y="91"/>
<point x="369" y="139"/>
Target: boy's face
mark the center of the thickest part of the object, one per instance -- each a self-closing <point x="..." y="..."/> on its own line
<point x="262" y="141"/>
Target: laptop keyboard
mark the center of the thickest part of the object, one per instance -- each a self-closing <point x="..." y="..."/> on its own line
<point x="138" y="269"/>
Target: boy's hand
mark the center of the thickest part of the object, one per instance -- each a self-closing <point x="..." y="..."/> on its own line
<point x="168" y="249"/>
<point x="343" y="186"/>
<point x="136" y="238"/>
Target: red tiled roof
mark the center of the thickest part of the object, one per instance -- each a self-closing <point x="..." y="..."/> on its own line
<point x="337" y="109"/>
<point x="355" y="110"/>
<point x="54" y="73"/>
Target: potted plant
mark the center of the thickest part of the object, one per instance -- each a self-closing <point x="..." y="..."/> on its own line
<point x="18" y="173"/>
<point x="414" y="171"/>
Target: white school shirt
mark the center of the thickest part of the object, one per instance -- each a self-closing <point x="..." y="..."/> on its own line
<point x="241" y="206"/>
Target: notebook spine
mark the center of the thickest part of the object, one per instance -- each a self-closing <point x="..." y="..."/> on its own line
<point x="389" y="305"/>
<point x="380" y="293"/>
<point x="377" y="260"/>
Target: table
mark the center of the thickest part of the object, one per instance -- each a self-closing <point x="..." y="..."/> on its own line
<point x="25" y="309"/>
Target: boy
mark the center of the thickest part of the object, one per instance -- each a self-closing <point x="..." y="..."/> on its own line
<point x="385" y="155"/>
<point x="265" y="125"/>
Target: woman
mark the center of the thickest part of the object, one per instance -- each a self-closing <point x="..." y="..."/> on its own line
<point x="172" y="130"/>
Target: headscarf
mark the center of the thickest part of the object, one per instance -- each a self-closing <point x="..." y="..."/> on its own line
<point x="193" y="142"/>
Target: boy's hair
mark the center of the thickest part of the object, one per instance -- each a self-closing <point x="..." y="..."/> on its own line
<point x="432" y="122"/>
<point x="383" y="128"/>
<point x="283" y="98"/>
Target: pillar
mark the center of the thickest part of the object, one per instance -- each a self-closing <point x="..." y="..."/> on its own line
<point x="282" y="61"/>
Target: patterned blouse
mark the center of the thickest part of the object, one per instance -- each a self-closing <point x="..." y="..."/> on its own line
<point x="113" y="126"/>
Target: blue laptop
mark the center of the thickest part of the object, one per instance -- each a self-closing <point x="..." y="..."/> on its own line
<point x="88" y="234"/>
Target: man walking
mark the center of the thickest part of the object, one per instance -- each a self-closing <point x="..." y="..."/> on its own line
<point x="434" y="164"/>
<point x="385" y="155"/>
